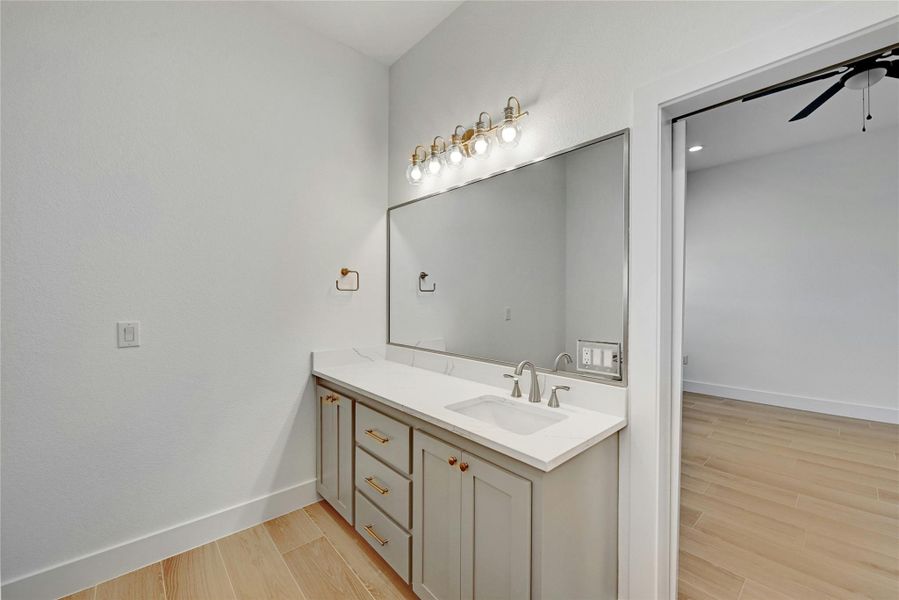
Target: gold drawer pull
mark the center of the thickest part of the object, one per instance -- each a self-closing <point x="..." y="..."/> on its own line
<point x="372" y="533"/>
<point x="381" y="490"/>
<point x="376" y="436"/>
<point x="331" y="398"/>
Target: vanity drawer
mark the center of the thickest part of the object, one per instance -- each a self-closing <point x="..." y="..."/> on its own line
<point x="386" y="537"/>
<point x="387" y="489"/>
<point x="386" y="438"/>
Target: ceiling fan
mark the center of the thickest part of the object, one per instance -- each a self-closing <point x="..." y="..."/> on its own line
<point x="857" y="75"/>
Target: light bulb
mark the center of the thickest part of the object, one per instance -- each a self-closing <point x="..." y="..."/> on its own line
<point x="454" y="156"/>
<point x="510" y="131"/>
<point x="509" y="134"/>
<point x="414" y="173"/>
<point x="434" y="164"/>
<point x="480" y="146"/>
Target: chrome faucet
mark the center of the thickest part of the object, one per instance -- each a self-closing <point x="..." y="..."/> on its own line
<point x="516" y="391"/>
<point x="534" y="393"/>
<point x="553" y="398"/>
<point x="562" y="355"/>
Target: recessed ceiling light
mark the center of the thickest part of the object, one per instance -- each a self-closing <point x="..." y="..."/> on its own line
<point x="694" y="148"/>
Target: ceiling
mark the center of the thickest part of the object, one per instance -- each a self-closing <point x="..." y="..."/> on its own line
<point x="382" y="30"/>
<point x="746" y="129"/>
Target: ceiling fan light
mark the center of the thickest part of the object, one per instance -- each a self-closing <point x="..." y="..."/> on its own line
<point x="865" y="78"/>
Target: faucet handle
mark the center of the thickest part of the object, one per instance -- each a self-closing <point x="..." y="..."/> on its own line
<point x="516" y="390"/>
<point x="553" y="398"/>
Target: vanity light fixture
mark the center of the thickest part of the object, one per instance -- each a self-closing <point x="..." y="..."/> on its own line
<point x="415" y="172"/>
<point x="467" y="142"/>
<point x="696" y="148"/>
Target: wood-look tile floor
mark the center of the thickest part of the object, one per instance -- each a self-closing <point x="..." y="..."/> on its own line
<point x="779" y="503"/>
<point x="308" y="554"/>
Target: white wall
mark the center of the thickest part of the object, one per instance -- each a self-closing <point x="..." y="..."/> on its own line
<point x="180" y="164"/>
<point x="792" y="277"/>
<point x="584" y="69"/>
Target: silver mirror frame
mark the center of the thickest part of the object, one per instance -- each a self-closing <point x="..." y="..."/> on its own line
<point x="620" y="381"/>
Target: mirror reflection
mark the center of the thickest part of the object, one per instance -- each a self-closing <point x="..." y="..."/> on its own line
<point x="525" y="265"/>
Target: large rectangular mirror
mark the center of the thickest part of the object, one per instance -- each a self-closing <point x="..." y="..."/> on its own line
<point x="523" y="265"/>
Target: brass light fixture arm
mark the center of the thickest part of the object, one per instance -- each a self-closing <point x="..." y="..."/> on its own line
<point x="415" y="157"/>
<point x="490" y="127"/>
<point x="517" y="114"/>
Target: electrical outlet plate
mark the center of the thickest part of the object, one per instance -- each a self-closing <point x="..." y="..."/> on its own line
<point x="128" y="333"/>
<point x="599" y="357"/>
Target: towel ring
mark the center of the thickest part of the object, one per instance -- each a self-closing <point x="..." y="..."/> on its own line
<point x="421" y="278"/>
<point x="343" y="273"/>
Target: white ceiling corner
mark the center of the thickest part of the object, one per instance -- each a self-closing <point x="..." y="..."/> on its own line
<point x="382" y="30"/>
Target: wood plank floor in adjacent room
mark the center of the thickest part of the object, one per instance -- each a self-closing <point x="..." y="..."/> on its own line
<point x="307" y="554"/>
<point x="779" y="503"/>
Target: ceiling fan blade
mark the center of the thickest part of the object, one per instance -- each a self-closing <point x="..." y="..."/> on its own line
<point x="817" y="102"/>
<point x="788" y="86"/>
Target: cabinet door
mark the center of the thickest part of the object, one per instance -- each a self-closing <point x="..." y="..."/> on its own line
<point x="495" y="533"/>
<point x="436" y="550"/>
<point x="334" y="464"/>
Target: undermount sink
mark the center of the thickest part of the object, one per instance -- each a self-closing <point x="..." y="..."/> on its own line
<point x="507" y="414"/>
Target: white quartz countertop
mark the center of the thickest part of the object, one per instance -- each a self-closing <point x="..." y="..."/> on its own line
<point x="426" y="394"/>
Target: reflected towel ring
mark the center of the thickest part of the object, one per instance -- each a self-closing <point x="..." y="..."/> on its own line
<point x="343" y="273"/>
<point x="421" y="278"/>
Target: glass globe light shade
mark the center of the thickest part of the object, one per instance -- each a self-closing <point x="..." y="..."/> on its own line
<point x="480" y="146"/>
<point x="509" y="133"/>
<point x="434" y="164"/>
<point x="455" y="156"/>
<point x="414" y="173"/>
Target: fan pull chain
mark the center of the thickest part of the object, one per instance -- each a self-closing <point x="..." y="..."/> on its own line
<point x="863" y="111"/>
<point x="869" y="117"/>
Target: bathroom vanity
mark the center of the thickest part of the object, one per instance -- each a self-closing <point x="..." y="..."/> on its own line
<point x="465" y="491"/>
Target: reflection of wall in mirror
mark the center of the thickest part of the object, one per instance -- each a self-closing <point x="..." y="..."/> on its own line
<point x="594" y="252"/>
<point x="525" y="264"/>
<point x="489" y="247"/>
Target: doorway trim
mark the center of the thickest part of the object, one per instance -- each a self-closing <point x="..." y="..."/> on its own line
<point x="652" y="481"/>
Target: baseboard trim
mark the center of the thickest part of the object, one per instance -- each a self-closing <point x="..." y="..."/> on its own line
<point x="86" y="571"/>
<point x="818" y="405"/>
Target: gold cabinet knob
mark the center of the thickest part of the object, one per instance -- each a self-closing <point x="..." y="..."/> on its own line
<point x="452" y="460"/>
<point x="463" y="467"/>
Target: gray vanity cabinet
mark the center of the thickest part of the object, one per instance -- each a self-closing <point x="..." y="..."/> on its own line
<point x="472" y="525"/>
<point x="496" y="532"/>
<point x="484" y="526"/>
<point x="437" y="519"/>
<point x="334" y="451"/>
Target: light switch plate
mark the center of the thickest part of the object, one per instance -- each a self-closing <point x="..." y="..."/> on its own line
<point x="128" y="333"/>
<point x="599" y="357"/>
